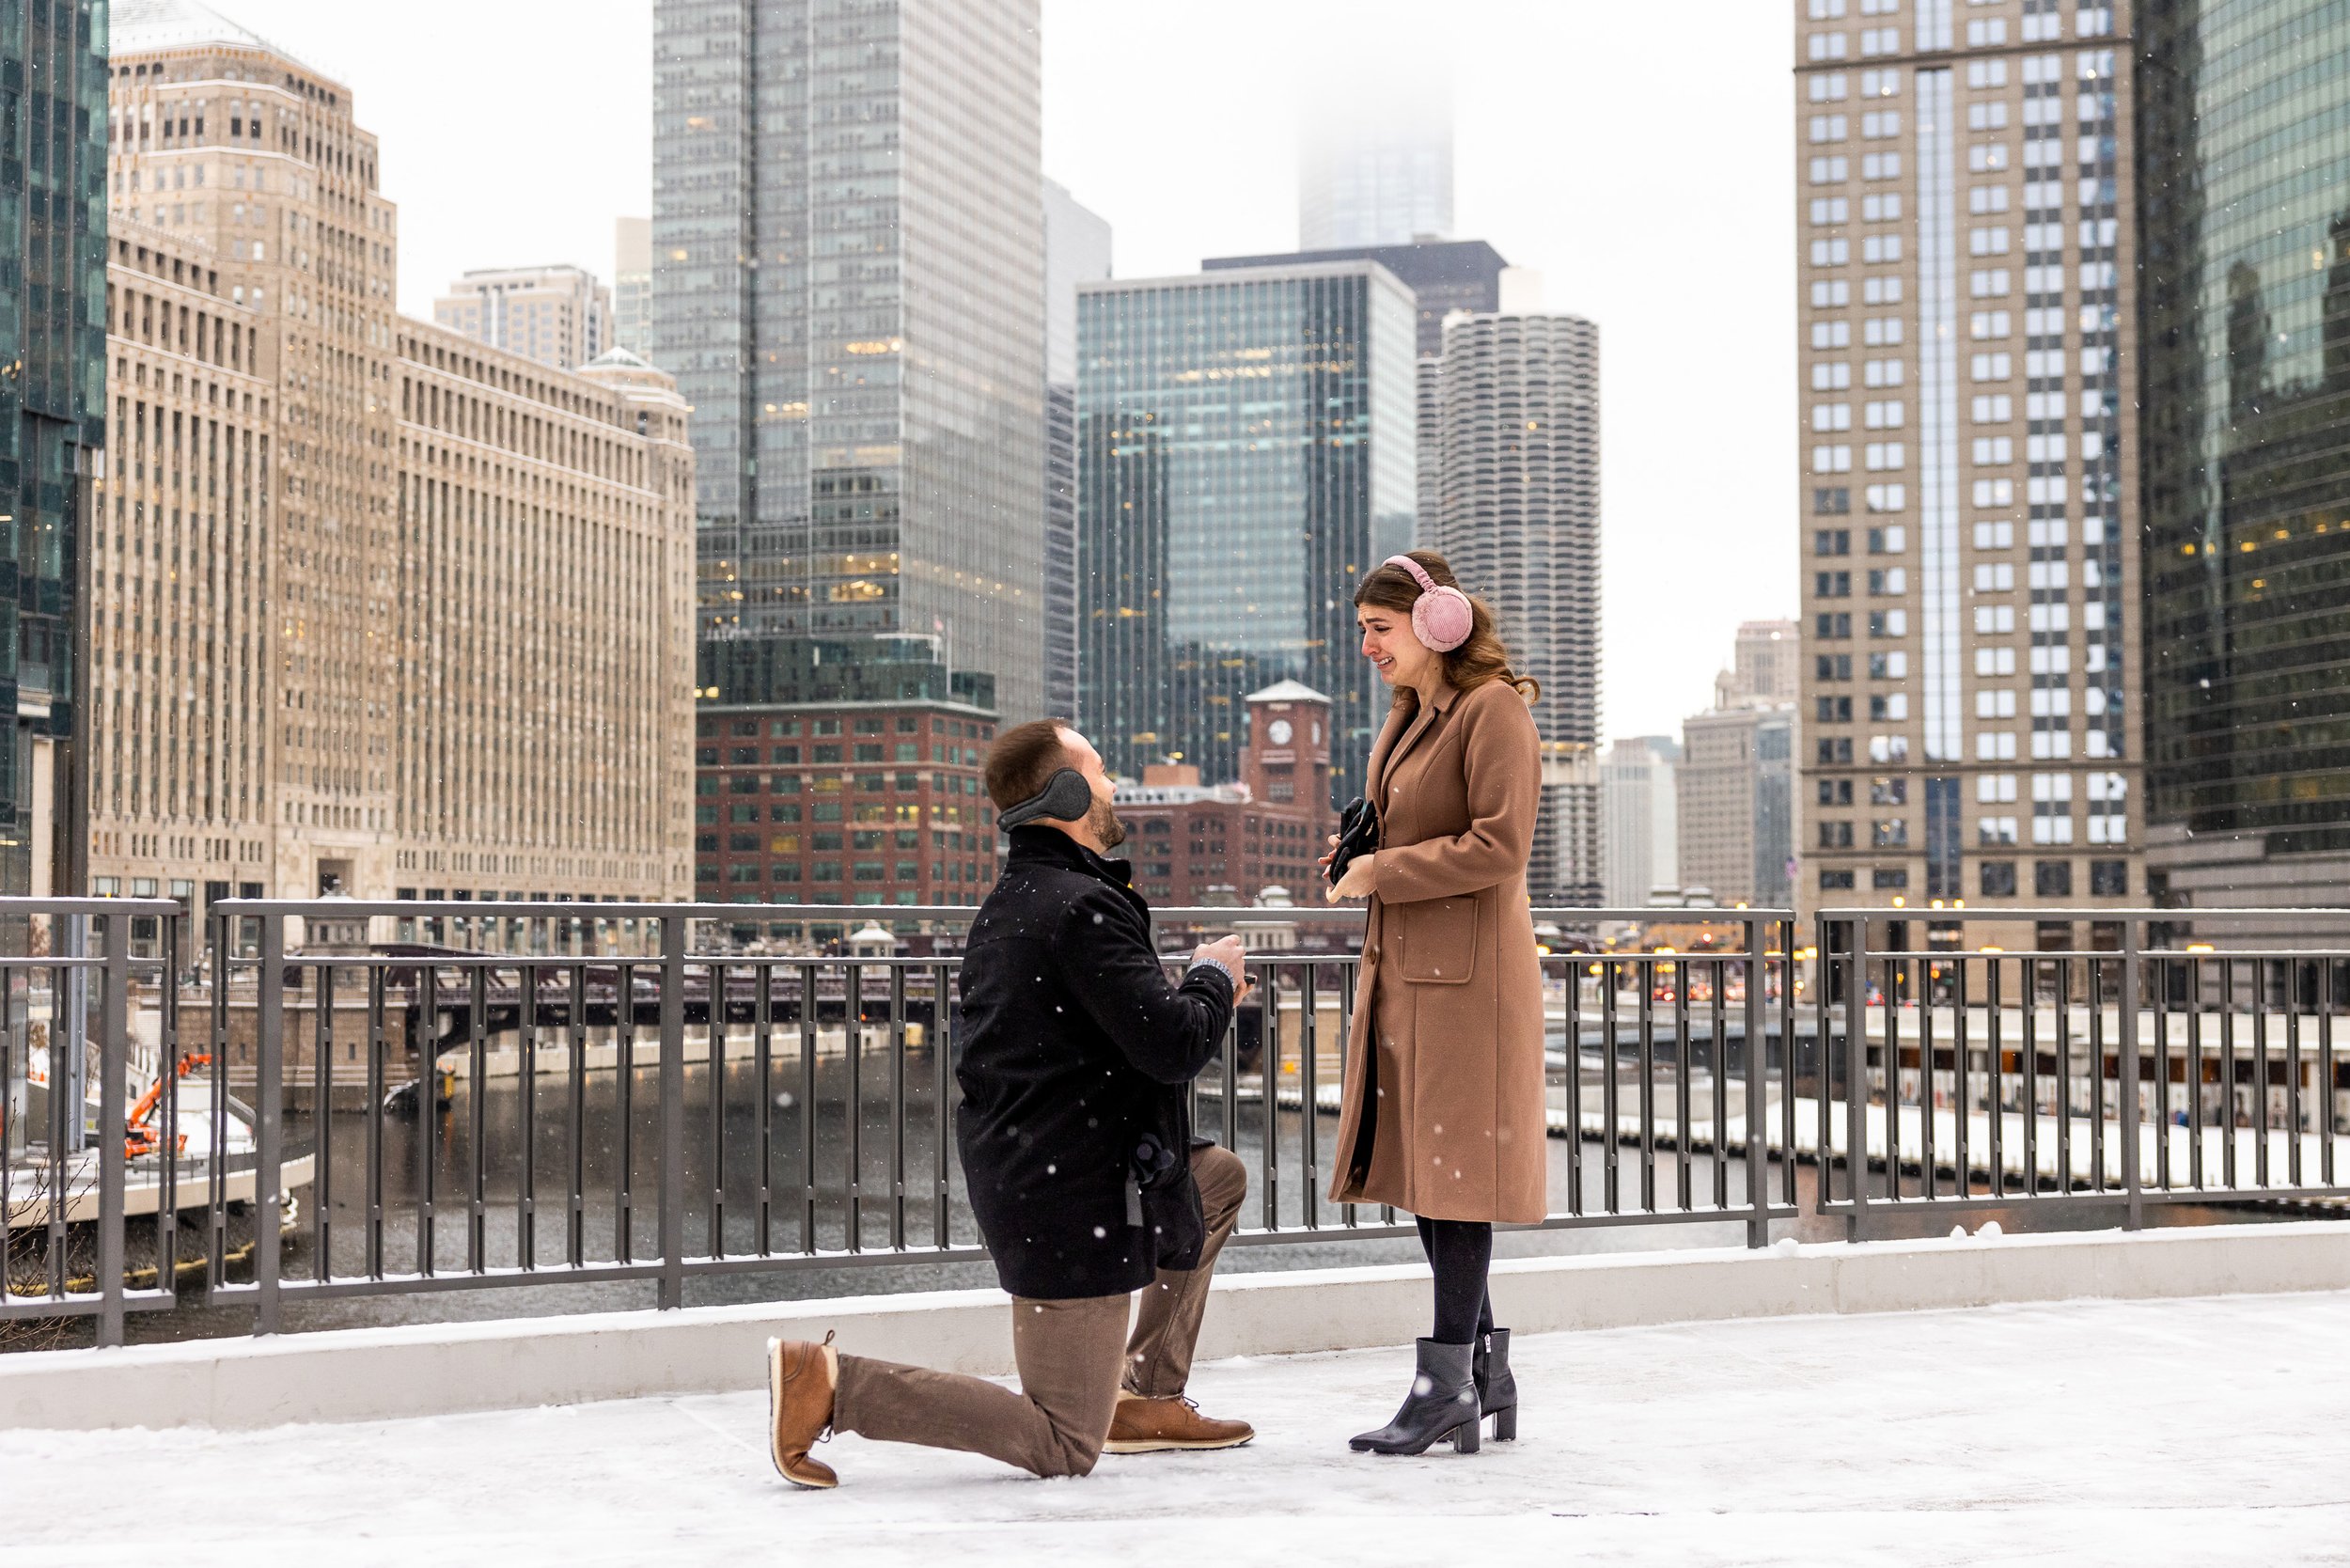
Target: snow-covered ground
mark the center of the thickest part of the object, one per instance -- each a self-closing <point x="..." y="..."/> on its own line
<point x="2187" y="1431"/>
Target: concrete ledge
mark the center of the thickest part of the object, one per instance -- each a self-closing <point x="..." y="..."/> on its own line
<point x="437" y="1369"/>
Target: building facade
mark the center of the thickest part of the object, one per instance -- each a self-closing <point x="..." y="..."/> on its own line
<point x="419" y="615"/>
<point x="1966" y="264"/>
<point x="2245" y="322"/>
<point x="53" y="421"/>
<point x="1639" y="819"/>
<point x="1736" y="808"/>
<point x="1764" y="664"/>
<point x="1245" y="454"/>
<point x="631" y="285"/>
<point x="848" y="286"/>
<point x="1195" y="844"/>
<point x="1077" y="250"/>
<point x="833" y="771"/>
<point x="1444" y="275"/>
<point x="558" y="316"/>
<point x="1374" y="165"/>
<point x="1509" y="460"/>
<point x="1567" y="865"/>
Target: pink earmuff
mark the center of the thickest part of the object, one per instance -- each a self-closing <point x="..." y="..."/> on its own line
<point x="1441" y="616"/>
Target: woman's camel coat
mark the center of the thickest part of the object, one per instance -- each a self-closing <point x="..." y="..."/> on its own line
<point x="1443" y="1110"/>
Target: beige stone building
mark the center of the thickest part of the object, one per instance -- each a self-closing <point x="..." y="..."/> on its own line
<point x="181" y="579"/>
<point x="1966" y="292"/>
<point x="1734" y="780"/>
<point x="1763" y="663"/>
<point x="558" y="316"/>
<point x="422" y="610"/>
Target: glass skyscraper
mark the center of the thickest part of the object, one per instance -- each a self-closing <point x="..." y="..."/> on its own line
<point x="848" y="286"/>
<point x="1246" y="452"/>
<point x="2243" y="181"/>
<point x="52" y="414"/>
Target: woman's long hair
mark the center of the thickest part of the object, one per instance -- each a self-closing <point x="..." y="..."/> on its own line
<point x="1480" y="659"/>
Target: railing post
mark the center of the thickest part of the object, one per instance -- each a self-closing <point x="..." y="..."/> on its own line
<point x="2134" y="1214"/>
<point x="269" y="1092"/>
<point x="1758" y="1113"/>
<point x="112" y="1062"/>
<point x="672" y="1288"/>
<point x="1856" y="1078"/>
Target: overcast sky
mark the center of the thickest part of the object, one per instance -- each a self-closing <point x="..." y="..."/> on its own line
<point x="1648" y="177"/>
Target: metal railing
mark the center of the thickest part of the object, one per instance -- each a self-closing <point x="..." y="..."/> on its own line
<point x="2123" y="1074"/>
<point x="479" y="1118"/>
<point x="332" y="1115"/>
<point x="64" y="1159"/>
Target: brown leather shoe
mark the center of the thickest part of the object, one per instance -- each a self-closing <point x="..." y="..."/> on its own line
<point x="800" y="1384"/>
<point x="1154" y="1425"/>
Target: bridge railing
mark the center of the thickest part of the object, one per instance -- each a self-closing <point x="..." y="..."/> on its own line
<point x="526" y="1093"/>
<point x="2145" y="1068"/>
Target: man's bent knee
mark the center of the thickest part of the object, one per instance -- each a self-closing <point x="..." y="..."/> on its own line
<point x="1222" y="1178"/>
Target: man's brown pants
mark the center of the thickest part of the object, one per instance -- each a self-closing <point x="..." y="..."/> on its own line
<point x="1073" y="1357"/>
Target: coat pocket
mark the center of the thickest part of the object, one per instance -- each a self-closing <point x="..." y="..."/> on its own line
<point x="1439" y="941"/>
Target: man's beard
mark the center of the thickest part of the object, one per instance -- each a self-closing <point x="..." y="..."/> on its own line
<point x="1106" y="825"/>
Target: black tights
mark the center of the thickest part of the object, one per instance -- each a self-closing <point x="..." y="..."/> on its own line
<point x="1460" y="1251"/>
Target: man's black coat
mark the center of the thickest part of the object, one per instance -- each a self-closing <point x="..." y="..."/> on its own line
<point x="1073" y="1048"/>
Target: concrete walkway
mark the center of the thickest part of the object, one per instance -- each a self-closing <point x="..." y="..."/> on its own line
<point x="2201" y="1430"/>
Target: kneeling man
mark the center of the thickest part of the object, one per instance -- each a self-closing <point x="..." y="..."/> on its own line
<point x="1075" y="1054"/>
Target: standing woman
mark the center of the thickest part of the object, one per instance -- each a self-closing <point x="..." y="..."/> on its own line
<point x="1443" y="1107"/>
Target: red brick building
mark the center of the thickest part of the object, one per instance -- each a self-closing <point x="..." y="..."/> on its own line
<point x="1195" y="843"/>
<point x="841" y="774"/>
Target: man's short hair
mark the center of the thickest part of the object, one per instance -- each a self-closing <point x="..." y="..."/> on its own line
<point x="1024" y="759"/>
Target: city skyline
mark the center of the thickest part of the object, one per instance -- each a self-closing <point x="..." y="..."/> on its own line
<point x="1726" y="366"/>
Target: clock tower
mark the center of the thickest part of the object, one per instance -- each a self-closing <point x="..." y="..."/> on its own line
<point x="1287" y="762"/>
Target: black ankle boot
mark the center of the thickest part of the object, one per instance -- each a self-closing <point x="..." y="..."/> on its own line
<point x="1442" y="1405"/>
<point x="1496" y="1390"/>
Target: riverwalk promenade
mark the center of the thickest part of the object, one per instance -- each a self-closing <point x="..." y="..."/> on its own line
<point x="2200" y="1430"/>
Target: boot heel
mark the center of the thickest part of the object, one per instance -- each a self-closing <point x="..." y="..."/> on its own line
<point x="1506" y="1425"/>
<point x="1464" y="1437"/>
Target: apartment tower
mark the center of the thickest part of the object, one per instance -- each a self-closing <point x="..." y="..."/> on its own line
<point x="1513" y="448"/>
<point x="1966" y="294"/>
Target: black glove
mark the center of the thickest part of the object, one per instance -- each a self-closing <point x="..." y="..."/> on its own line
<point x="1358" y="833"/>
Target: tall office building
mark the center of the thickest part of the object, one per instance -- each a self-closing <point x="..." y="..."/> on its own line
<point x="1639" y="819"/>
<point x="53" y="421"/>
<point x="558" y="316"/>
<point x="1375" y="164"/>
<point x="2245" y="215"/>
<point x="387" y="609"/>
<point x="850" y="289"/>
<point x="631" y="285"/>
<point x="1077" y="250"/>
<point x="1245" y="454"/>
<point x="1966" y="286"/>
<point x="1444" y="275"/>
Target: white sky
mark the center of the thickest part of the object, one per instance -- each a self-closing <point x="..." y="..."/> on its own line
<point x="1647" y="173"/>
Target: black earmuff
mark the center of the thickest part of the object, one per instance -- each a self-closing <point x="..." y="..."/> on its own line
<point x="1066" y="797"/>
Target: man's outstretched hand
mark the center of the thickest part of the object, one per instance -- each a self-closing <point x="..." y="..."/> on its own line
<point x="1227" y="954"/>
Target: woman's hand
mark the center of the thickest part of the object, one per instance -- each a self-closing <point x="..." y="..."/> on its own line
<point x="1325" y="862"/>
<point x="1361" y="878"/>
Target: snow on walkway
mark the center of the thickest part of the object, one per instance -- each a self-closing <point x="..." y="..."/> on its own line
<point x="2205" y="1432"/>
